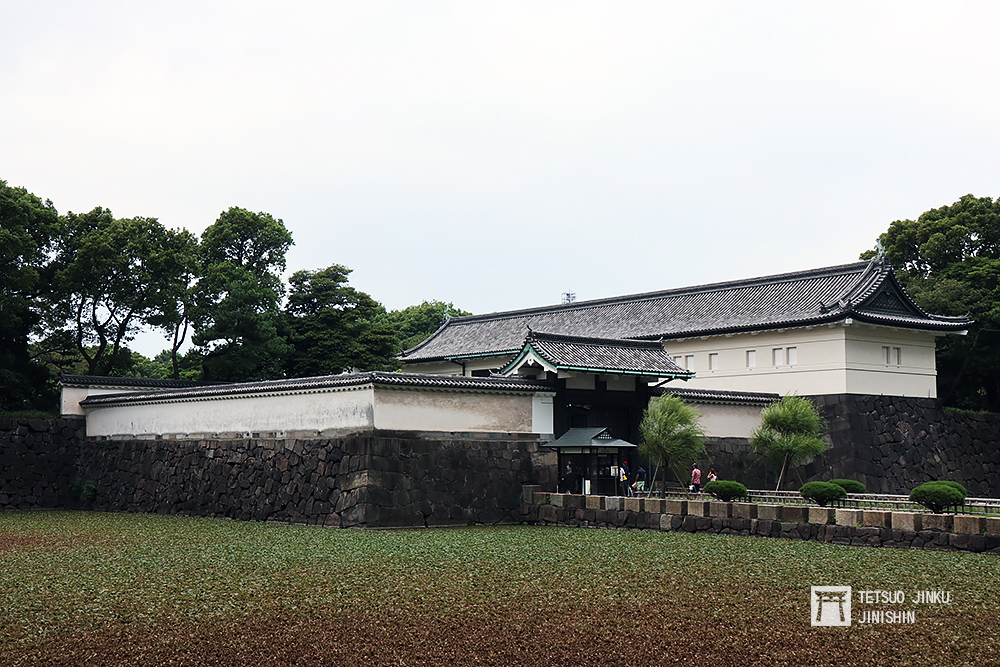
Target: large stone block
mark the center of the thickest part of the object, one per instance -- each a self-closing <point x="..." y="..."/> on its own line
<point x="595" y="502"/>
<point x="744" y="510"/>
<point x="992" y="525"/>
<point x="822" y="515"/>
<point x="876" y="518"/>
<point x="574" y="501"/>
<point x="697" y="508"/>
<point x="911" y="522"/>
<point x="654" y="505"/>
<point x="675" y="507"/>
<point x="768" y="512"/>
<point x="613" y="502"/>
<point x="721" y="510"/>
<point x="633" y="504"/>
<point x="556" y="499"/>
<point x="794" y="514"/>
<point x="971" y="525"/>
<point x="547" y="513"/>
<point x="845" y="517"/>
<point x="943" y="522"/>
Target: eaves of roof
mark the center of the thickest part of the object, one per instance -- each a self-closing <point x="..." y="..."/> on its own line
<point x="67" y="380"/>
<point x="326" y="383"/>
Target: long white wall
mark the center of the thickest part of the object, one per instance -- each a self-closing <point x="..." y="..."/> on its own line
<point x="319" y="411"/>
<point x="355" y="408"/>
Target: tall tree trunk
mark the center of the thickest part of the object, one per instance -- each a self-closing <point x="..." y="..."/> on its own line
<point x="781" y="475"/>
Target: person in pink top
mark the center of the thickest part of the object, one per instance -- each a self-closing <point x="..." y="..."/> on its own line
<point x="695" y="478"/>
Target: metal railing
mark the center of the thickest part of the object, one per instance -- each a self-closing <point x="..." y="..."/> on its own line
<point x="869" y="501"/>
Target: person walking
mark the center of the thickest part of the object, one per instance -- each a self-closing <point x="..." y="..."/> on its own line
<point x="624" y="472"/>
<point x="640" y="480"/>
<point x="695" y="478"/>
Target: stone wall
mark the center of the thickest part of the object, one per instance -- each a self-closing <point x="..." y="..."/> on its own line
<point x="906" y="530"/>
<point x="372" y="478"/>
<point x="889" y="443"/>
<point x="894" y="444"/>
<point x="38" y="462"/>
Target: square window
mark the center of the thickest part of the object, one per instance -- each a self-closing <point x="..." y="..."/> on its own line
<point x="793" y="355"/>
<point x="778" y="356"/>
<point x="751" y="358"/>
<point x="713" y="361"/>
<point x="689" y="362"/>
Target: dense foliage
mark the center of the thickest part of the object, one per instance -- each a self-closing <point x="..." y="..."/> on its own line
<point x="726" y="490"/>
<point x="822" y="493"/>
<point x="77" y="288"/>
<point x="850" y="485"/>
<point x="938" y="496"/>
<point x="948" y="260"/>
<point x="789" y="434"/>
<point x="671" y="434"/>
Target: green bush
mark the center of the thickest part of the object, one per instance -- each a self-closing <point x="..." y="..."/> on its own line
<point x="937" y="496"/>
<point x="726" y="491"/>
<point x="850" y="485"/>
<point x="822" y="493"/>
<point x="955" y="485"/>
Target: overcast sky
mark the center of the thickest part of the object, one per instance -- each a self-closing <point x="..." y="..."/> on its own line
<point x="498" y="154"/>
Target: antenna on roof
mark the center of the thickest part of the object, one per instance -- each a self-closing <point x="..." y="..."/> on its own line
<point x="568" y="297"/>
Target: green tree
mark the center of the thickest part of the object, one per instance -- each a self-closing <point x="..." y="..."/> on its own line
<point x="29" y="228"/>
<point x="237" y="316"/>
<point x="948" y="260"/>
<point x="671" y="434"/>
<point x="111" y="277"/>
<point x="333" y="327"/>
<point x="789" y="434"/>
<point x="173" y="310"/>
<point x="414" y="324"/>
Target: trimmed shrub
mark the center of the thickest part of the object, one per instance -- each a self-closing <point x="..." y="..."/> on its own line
<point x="726" y="491"/>
<point x="937" y="496"/>
<point x="822" y="493"/>
<point x="955" y="485"/>
<point x="849" y="485"/>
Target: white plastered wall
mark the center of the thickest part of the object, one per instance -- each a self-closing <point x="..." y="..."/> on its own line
<point x="456" y="368"/>
<point x="355" y="408"/>
<point x="318" y="411"/>
<point x="423" y="410"/>
<point x="831" y="359"/>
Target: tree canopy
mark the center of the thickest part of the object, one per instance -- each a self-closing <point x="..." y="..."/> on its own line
<point x="948" y="260"/>
<point x="77" y="288"/>
<point x="29" y="229"/>
<point x="671" y="434"/>
<point x="789" y="434"/>
<point x="415" y="324"/>
<point x="238" y="298"/>
<point x="333" y="327"/>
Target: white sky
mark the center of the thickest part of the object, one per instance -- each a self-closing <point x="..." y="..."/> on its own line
<point x="497" y="154"/>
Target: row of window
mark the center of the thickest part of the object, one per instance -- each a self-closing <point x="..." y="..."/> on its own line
<point x="780" y="356"/>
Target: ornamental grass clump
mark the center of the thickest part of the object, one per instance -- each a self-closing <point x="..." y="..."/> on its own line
<point x="938" y="496"/>
<point x="822" y="493"/>
<point x="726" y="491"/>
<point x="850" y="485"/>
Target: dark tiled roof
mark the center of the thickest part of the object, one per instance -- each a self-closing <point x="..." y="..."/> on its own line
<point x="715" y="396"/>
<point x="867" y="291"/>
<point x="119" y="382"/>
<point x="589" y="437"/>
<point x="300" y="385"/>
<point x="601" y="355"/>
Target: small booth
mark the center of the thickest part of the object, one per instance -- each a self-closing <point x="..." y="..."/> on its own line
<point x="590" y="461"/>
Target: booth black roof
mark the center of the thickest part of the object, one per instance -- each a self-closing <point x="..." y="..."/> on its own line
<point x="867" y="291"/>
